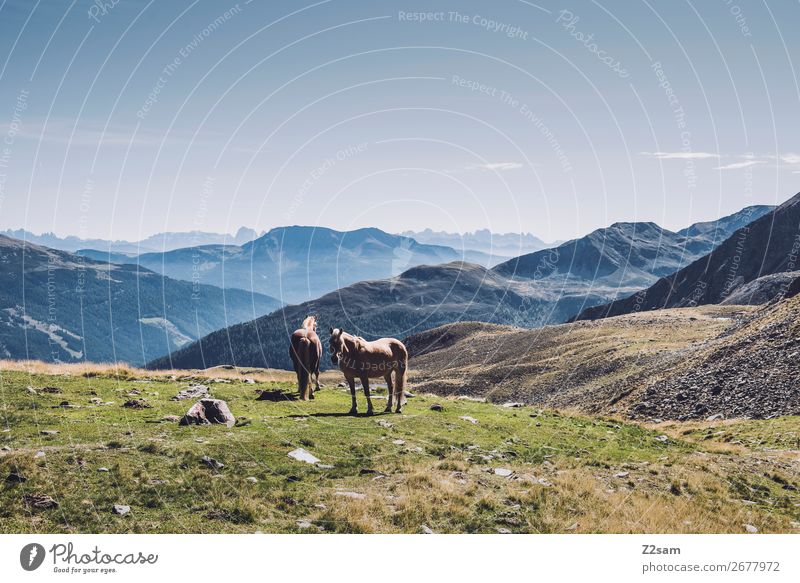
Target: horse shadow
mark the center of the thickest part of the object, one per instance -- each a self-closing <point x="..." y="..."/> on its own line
<point x="276" y="396"/>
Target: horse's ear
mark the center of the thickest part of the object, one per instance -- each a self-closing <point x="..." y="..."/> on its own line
<point x="331" y="330"/>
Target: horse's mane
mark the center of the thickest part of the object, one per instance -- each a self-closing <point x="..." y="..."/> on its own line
<point x="310" y="322"/>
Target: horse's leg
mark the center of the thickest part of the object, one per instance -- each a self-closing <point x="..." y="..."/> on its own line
<point x="390" y="391"/>
<point x="352" y="382"/>
<point x="365" y="384"/>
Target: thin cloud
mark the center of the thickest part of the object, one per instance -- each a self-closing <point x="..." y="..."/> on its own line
<point x="501" y="166"/>
<point x="738" y="165"/>
<point x="679" y="155"/>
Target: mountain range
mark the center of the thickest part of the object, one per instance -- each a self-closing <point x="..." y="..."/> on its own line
<point x="495" y="244"/>
<point x="60" y="307"/>
<point x="296" y="263"/>
<point x="159" y="242"/>
<point x="768" y="245"/>
<point x="586" y="271"/>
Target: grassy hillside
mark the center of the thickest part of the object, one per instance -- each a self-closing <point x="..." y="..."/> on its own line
<point x="441" y="470"/>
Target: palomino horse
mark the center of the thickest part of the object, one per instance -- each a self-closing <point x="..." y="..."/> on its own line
<point x="306" y="352"/>
<point x="359" y="359"/>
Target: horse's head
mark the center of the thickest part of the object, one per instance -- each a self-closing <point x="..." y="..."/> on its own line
<point x="337" y="346"/>
<point x="310" y="323"/>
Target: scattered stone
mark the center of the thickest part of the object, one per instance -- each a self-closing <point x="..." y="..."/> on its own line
<point x="504" y="472"/>
<point x="544" y="482"/>
<point x="425" y="529"/>
<point x="103" y="469"/>
<point x="621" y="474"/>
<point x="573" y="526"/>
<point x="50" y="390"/>
<point x="15" y="478"/>
<point x="211" y="463"/>
<point x="503" y="531"/>
<point x="325" y="466"/>
<point x="384" y="423"/>
<point x="342" y="385"/>
<point x="121" y="509"/>
<point x="750" y="528"/>
<point x="137" y="404"/>
<point x="95" y="400"/>
<point x="409" y="395"/>
<point x="31" y="390"/>
<point x="399" y="441"/>
<point x="252" y="479"/>
<point x="208" y="411"/>
<point x="512" y="404"/>
<point x="6" y="448"/>
<point x="248" y="381"/>
<point x="171" y="418"/>
<point x="49" y="432"/>
<point x="302" y="455"/>
<point x="39" y="501"/>
<point x="193" y="392"/>
<point x="470" y="419"/>
<point x="716" y="417"/>
<point x="39" y="454"/>
<point x="353" y="495"/>
<point x="437" y="407"/>
<point x="304" y="524"/>
<point x="662" y="438"/>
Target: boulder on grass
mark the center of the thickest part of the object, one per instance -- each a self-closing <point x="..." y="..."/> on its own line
<point x="207" y="411"/>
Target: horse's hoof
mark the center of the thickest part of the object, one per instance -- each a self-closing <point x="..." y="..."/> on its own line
<point x="311" y="397"/>
<point x="353" y="412"/>
<point x="387" y="410"/>
<point x="398" y="411"/>
<point x="370" y="412"/>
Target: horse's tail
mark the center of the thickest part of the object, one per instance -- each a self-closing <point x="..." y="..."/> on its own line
<point x="303" y="373"/>
<point x="402" y="371"/>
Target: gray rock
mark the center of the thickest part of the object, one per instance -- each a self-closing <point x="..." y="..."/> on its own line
<point x="353" y="495"/>
<point x="208" y="411"/>
<point x="750" y="528"/>
<point x="211" y="463"/>
<point x="121" y="509"/>
<point x="302" y="455"/>
<point x="503" y="531"/>
<point x="252" y="479"/>
<point x="304" y="524"/>
<point x="102" y="469"/>
<point x="437" y="407"/>
<point x="504" y="472"/>
<point x="621" y="474"/>
<point x="425" y="529"/>
<point x="192" y="392"/>
<point x="49" y="432"/>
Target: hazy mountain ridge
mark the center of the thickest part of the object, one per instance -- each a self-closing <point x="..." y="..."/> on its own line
<point x="297" y="263"/>
<point x="167" y="241"/>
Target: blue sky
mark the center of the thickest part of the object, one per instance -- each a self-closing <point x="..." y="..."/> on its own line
<point x="119" y="120"/>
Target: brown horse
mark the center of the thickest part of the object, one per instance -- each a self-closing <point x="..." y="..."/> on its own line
<point x="364" y="360"/>
<point x="306" y="351"/>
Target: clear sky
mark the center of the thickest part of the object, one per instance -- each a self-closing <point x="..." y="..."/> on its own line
<point x="119" y="119"/>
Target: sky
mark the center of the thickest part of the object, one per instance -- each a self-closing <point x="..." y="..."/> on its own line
<point x="124" y="118"/>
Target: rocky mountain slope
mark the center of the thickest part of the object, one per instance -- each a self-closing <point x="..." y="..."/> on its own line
<point x="625" y="256"/>
<point x="712" y="361"/>
<point x="60" y="307"/>
<point x="768" y="245"/>
<point x="585" y="365"/>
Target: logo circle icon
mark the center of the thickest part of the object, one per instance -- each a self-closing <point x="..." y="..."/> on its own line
<point x="31" y="556"/>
